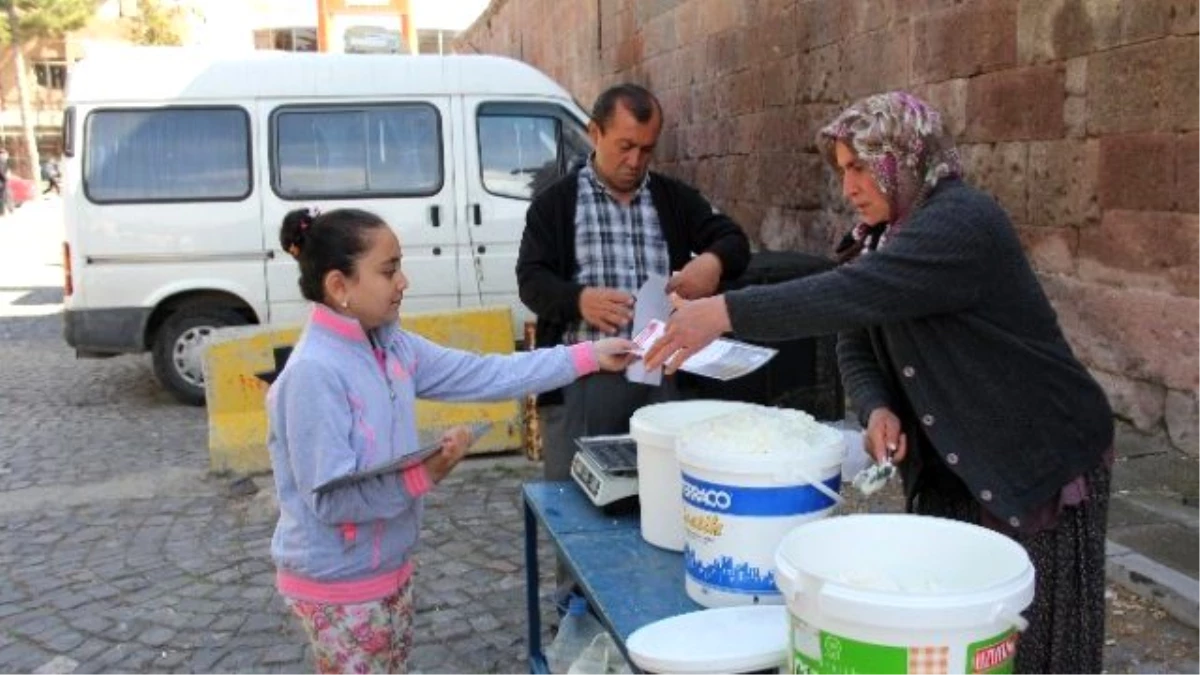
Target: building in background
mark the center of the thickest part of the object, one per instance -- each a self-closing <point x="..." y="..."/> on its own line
<point x="366" y="27"/>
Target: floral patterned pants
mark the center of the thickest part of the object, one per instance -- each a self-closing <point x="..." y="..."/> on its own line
<point x="372" y="637"/>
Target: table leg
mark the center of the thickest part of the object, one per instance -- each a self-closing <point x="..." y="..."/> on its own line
<point x="537" y="659"/>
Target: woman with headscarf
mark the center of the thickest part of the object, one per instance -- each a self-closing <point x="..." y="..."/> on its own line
<point x="953" y="355"/>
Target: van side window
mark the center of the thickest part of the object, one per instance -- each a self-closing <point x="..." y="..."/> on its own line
<point x="374" y="151"/>
<point x="167" y="154"/>
<point x="522" y="150"/>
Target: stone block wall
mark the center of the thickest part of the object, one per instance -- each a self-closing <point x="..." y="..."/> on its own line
<point x="1080" y="116"/>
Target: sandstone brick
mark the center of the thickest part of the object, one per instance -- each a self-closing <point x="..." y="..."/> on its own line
<point x="687" y="23"/>
<point x="704" y="103"/>
<point x="1000" y="170"/>
<point x="819" y="22"/>
<point x="749" y="131"/>
<point x="1016" y="104"/>
<point x="1050" y="250"/>
<point x="950" y="98"/>
<point x="1137" y="171"/>
<point x="727" y="51"/>
<point x="970" y="39"/>
<point x="1145" y="87"/>
<point x="718" y="15"/>
<point x="777" y="172"/>
<point x="1183" y="421"/>
<point x="1183" y="18"/>
<point x="1140" y="334"/>
<point x="747" y="91"/>
<point x="1142" y="249"/>
<point x="1139" y="403"/>
<point x="1183" y="85"/>
<point x="782" y="230"/>
<point x="1075" y="117"/>
<point x="774" y="37"/>
<point x="866" y="16"/>
<point x="876" y="62"/>
<point x="825" y="82"/>
<point x="1063" y="176"/>
<point x="1051" y="30"/>
<point x="1187" y="182"/>
<point x="1076" y="78"/>
<point x="749" y="216"/>
<point x="782" y="80"/>
<point x="808" y="181"/>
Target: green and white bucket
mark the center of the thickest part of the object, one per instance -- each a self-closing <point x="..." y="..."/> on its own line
<point x="902" y="594"/>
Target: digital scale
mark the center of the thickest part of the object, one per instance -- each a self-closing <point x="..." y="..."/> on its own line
<point x="606" y="468"/>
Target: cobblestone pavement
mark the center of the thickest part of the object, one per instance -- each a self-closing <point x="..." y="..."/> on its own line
<point x="119" y="553"/>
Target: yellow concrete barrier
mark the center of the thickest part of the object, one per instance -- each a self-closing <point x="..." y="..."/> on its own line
<point x="241" y="362"/>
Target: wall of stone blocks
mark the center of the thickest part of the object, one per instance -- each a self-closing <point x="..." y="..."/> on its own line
<point x="1080" y="116"/>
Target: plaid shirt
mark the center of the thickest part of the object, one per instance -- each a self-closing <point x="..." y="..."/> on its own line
<point x="616" y="245"/>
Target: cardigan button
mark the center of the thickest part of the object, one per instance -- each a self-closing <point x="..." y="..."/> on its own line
<point x="909" y="371"/>
<point x="1014" y="521"/>
<point x="952" y="459"/>
<point x="928" y="420"/>
<point x="986" y="495"/>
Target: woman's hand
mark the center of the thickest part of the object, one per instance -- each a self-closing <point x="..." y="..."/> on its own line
<point x="454" y="447"/>
<point x="692" y="327"/>
<point x="613" y="354"/>
<point x="884" y="438"/>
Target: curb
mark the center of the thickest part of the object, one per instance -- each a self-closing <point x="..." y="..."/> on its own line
<point x="1175" y="592"/>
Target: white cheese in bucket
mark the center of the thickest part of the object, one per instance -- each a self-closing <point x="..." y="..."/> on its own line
<point x="749" y="477"/>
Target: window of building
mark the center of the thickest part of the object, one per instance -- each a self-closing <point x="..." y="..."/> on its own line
<point x="393" y="150"/>
<point x="522" y="150"/>
<point x="167" y="154"/>
<point x="286" y="39"/>
<point x="50" y="74"/>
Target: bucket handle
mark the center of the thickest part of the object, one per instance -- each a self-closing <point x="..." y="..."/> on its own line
<point x="818" y="485"/>
<point x="1002" y="614"/>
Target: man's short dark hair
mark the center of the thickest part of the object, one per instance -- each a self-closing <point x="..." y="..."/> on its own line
<point x="635" y="98"/>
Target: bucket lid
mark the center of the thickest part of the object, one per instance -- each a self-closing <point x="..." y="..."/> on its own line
<point x="726" y="640"/>
<point x="937" y="573"/>
<point x="658" y="424"/>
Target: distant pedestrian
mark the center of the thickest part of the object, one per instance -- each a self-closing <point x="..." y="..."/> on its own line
<point x="51" y="175"/>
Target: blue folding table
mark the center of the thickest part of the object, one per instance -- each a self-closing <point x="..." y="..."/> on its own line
<point x="628" y="582"/>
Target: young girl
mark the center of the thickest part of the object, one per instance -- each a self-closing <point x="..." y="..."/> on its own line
<point x="344" y="403"/>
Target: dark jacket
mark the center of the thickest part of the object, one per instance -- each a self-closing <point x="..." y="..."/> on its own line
<point x="974" y="354"/>
<point x="546" y="264"/>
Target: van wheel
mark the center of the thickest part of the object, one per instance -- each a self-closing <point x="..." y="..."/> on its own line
<point x="179" y="349"/>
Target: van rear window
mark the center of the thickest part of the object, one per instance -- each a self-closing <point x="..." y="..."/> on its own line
<point x="347" y="152"/>
<point x="167" y="155"/>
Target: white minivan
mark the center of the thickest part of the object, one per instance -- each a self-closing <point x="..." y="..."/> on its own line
<point x="180" y="165"/>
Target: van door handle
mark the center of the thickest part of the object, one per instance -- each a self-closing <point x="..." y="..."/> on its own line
<point x="482" y="249"/>
<point x="437" y="250"/>
<point x="435" y="216"/>
<point x="476" y="214"/>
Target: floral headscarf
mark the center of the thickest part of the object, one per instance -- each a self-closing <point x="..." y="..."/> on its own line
<point x="904" y="143"/>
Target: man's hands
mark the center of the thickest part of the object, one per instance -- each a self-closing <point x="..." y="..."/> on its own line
<point x="606" y="309"/>
<point x="698" y="279"/>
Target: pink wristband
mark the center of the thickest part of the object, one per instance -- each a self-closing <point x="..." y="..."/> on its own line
<point x="583" y="355"/>
<point x="416" y="479"/>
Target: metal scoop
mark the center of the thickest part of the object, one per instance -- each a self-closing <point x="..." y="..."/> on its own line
<point x="871" y="479"/>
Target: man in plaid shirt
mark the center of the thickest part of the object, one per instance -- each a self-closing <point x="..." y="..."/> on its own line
<point x="591" y="240"/>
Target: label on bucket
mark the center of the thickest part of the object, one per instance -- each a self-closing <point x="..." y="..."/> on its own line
<point x="818" y="651"/>
<point x="732" y="531"/>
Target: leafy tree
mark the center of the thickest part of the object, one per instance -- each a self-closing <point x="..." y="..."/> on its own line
<point x="22" y="21"/>
<point x="156" y="24"/>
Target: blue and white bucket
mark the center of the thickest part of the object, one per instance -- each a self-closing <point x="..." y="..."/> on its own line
<point x="749" y="478"/>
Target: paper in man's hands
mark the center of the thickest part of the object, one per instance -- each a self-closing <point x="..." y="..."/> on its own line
<point x="650" y="305"/>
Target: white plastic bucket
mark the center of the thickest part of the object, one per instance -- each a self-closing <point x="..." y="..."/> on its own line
<point x="903" y="594"/>
<point x="655" y="428"/>
<point x="738" y="505"/>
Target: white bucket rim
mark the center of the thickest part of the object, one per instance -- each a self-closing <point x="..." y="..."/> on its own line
<point x="822" y="457"/>
<point x="646" y="426"/>
<point x="1000" y="602"/>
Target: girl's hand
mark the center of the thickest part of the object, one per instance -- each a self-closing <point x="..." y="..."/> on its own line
<point x="613" y="354"/>
<point x="454" y="447"/>
<point x="884" y="438"/>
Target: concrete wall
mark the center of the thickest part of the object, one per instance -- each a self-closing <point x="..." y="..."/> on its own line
<point x="1080" y="116"/>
